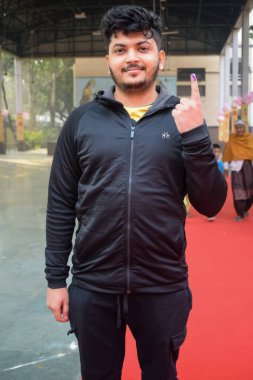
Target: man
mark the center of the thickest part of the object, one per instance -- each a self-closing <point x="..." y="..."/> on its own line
<point x="238" y="157"/>
<point x="122" y="166"/>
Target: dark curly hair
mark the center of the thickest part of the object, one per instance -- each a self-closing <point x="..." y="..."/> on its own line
<point x="216" y="146"/>
<point x="130" y="19"/>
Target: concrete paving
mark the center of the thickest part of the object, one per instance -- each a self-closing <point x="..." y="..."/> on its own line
<point x="32" y="345"/>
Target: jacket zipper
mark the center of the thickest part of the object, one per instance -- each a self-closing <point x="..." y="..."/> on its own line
<point x="129" y="207"/>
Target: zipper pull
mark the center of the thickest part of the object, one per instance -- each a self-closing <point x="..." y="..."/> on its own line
<point x="132" y="132"/>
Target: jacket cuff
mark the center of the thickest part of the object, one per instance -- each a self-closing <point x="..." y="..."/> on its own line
<point x="57" y="284"/>
<point x="196" y="134"/>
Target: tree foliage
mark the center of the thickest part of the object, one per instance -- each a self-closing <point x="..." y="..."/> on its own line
<point x="47" y="86"/>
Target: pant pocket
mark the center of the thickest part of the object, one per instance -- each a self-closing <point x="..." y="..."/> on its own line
<point x="189" y="294"/>
<point x="178" y="339"/>
<point x="176" y="342"/>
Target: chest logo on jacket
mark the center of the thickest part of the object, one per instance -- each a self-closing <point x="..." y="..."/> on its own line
<point x="166" y="135"/>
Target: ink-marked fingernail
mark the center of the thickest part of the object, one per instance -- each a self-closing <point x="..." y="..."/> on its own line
<point x="193" y="76"/>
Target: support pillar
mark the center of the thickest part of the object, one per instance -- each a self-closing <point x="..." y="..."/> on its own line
<point x="2" y="128"/>
<point x="245" y="65"/>
<point x="245" y="53"/>
<point x="221" y="82"/>
<point x="19" y="105"/>
<point x="235" y="65"/>
<point x="227" y="74"/>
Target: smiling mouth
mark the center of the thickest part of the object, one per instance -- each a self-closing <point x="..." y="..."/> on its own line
<point x="132" y="68"/>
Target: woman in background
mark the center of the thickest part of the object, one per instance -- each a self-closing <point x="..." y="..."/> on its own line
<point x="238" y="158"/>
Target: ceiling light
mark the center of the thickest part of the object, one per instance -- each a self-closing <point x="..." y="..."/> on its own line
<point x="80" y="15"/>
<point x="96" y="33"/>
<point x="170" y="33"/>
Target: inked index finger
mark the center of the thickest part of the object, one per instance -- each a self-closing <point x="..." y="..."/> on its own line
<point x="195" y="95"/>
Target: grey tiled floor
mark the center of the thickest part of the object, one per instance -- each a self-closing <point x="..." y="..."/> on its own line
<point x="32" y="345"/>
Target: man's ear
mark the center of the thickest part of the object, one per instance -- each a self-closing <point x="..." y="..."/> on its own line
<point x="107" y="62"/>
<point x="161" y="59"/>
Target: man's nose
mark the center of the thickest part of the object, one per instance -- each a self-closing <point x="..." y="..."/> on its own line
<point x="132" y="56"/>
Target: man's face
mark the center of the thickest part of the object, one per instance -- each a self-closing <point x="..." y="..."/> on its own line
<point x="239" y="129"/>
<point x="134" y="61"/>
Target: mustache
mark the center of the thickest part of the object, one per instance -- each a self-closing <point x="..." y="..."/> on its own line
<point x="127" y="68"/>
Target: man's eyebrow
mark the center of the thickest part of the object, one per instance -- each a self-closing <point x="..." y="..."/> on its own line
<point x="138" y="43"/>
<point x="143" y="42"/>
<point x="119" y="45"/>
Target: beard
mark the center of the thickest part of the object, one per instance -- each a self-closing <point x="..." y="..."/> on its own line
<point x="137" y="86"/>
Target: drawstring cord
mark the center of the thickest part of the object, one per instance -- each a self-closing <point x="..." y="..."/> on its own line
<point x="122" y="299"/>
<point x="71" y="331"/>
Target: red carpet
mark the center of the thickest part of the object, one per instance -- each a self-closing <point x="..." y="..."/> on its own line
<point x="219" y="344"/>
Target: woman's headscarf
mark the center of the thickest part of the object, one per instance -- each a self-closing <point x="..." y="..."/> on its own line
<point x="238" y="147"/>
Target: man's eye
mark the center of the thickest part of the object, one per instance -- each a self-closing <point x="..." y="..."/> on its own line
<point x="119" y="51"/>
<point x="143" y="49"/>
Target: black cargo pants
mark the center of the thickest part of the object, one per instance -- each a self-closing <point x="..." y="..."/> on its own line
<point x="157" y="322"/>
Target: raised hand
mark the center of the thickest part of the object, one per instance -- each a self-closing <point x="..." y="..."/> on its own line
<point x="188" y="113"/>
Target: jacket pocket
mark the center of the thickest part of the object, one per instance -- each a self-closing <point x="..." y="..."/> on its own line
<point x="78" y="240"/>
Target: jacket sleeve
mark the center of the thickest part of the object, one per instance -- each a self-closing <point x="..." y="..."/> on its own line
<point x="206" y="185"/>
<point x="62" y="198"/>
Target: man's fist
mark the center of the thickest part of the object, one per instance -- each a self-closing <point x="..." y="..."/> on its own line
<point x="58" y="303"/>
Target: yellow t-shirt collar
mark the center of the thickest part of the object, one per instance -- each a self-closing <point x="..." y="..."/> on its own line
<point x="136" y="113"/>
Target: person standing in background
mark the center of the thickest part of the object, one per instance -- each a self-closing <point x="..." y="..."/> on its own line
<point x="238" y="158"/>
<point x="217" y="153"/>
<point x="218" y="156"/>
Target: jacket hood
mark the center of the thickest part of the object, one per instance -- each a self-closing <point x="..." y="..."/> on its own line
<point x="164" y="99"/>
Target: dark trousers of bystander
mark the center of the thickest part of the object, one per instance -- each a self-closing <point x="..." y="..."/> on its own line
<point x="242" y="187"/>
<point x="242" y="206"/>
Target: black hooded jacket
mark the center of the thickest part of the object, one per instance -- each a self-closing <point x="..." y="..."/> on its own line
<point x="124" y="182"/>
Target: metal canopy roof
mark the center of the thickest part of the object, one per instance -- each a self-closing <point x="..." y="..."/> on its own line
<point x="67" y="28"/>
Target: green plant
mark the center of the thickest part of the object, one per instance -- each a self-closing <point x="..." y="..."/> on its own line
<point x="40" y="138"/>
<point x="34" y="139"/>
